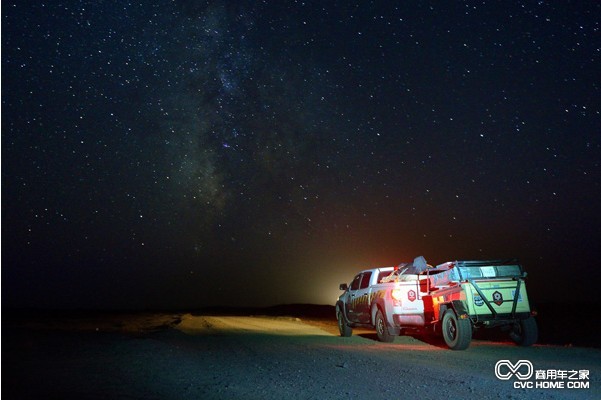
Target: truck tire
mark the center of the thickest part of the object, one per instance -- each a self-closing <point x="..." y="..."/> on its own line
<point x="457" y="333"/>
<point x="525" y="333"/>
<point x="345" y="330"/>
<point x="382" y="328"/>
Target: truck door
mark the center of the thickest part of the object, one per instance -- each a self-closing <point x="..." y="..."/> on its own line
<point x="350" y="298"/>
<point x="361" y="299"/>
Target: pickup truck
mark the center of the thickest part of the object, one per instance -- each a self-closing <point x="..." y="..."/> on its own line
<point x="453" y="298"/>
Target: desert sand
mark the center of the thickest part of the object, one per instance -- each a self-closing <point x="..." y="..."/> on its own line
<point x="186" y="356"/>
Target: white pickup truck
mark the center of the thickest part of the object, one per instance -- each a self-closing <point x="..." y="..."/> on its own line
<point x="453" y="298"/>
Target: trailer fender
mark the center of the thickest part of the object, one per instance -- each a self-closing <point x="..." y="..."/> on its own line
<point x="460" y="309"/>
<point x="457" y="305"/>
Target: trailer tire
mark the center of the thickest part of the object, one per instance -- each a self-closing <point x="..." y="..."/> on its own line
<point x="345" y="330"/>
<point x="457" y="332"/>
<point x="382" y="328"/>
<point x="525" y="332"/>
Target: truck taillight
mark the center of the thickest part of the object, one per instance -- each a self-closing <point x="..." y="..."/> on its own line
<point x="396" y="294"/>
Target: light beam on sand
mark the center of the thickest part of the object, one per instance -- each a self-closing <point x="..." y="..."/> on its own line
<point x="278" y="326"/>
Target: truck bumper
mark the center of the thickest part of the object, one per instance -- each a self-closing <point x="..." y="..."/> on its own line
<point x="402" y="320"/>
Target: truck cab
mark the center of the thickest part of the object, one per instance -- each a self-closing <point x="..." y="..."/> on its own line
<point x="359" y="295"/>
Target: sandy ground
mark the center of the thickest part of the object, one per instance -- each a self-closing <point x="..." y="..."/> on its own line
<point x="183" y="356"/>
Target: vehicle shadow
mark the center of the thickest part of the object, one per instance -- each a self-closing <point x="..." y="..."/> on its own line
<point x="430" y="339"/>
<point x="369" y="336"/>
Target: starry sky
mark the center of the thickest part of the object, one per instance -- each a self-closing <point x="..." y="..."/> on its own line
<point x="194" y="153"/>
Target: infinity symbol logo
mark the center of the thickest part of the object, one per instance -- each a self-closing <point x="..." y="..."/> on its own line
<point x="505" y="369"/>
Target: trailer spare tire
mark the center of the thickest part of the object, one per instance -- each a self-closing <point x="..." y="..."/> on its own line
<point x="525" y="332"/>
<point x="457" y="332"/>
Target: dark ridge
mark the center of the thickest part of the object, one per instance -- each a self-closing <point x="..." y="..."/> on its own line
<point x="289" y="310"/>
<point x="567" y="324"/>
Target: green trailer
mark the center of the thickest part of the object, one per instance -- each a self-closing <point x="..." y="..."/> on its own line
<point x="468" y="295"/>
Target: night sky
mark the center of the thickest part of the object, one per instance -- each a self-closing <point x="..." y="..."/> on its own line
<point x="197" y="153"/>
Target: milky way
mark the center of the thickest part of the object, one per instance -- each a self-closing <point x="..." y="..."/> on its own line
<point x="194" y="153"/>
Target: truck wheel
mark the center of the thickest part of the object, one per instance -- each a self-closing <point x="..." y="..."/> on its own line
<point x="382" y="328"/>
<point x="457" y="333"/>
<point x="525" y="333"/>
<point x="345" y="330"/>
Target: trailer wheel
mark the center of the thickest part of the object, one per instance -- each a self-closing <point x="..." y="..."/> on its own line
<point x="345" y="330"/>
<point x="382" y="328"/>
<point x="525" y="332"/>
<point x="457" y="333"/>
